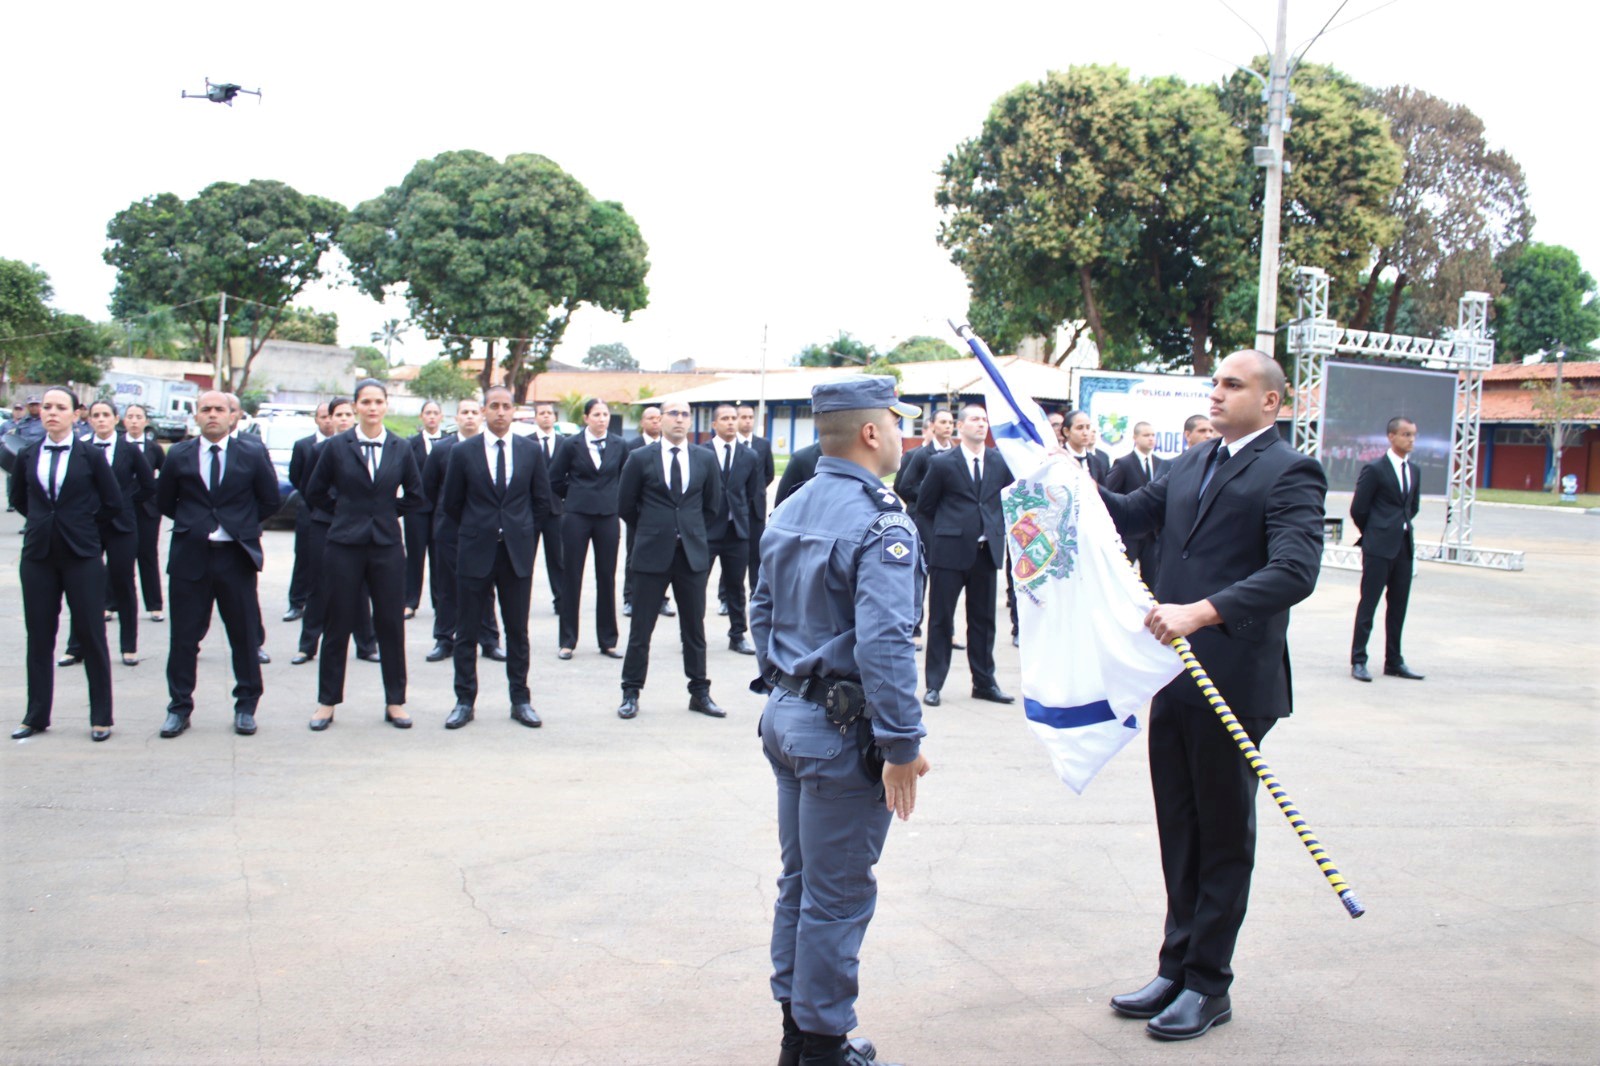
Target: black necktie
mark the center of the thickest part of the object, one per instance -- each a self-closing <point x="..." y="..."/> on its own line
<point x="371" y="449"/>
<point x="727" y="460"/>
<point x="1218" y="457"/>
<point x="546" y="440"/>
<point x="1405" y="480"/>
<point x="216" y="467"/>
<point x="500" y="465"/>
<point x="677" y="475"/>
<point x="55" y="451"/>
<point x="104" y="446"/>
<point x="1145" y="462"/>
<point x="977" y="474"/>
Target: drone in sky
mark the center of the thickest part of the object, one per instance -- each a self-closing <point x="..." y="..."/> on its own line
<point x="220" y="93"/>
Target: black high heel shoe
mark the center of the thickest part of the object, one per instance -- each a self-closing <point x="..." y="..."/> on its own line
<point x="317" y="725"/>
<point x="398" y="723"/>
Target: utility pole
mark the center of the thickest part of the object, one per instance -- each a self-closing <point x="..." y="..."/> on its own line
<point x="223" y="378"/>
<point x="1561" y="426"/>
<point x="1271" y="157"/>
<point x="761" y="401"/>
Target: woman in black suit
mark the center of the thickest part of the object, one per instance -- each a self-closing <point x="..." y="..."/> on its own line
<point x="365" y="477"/>
<point x="64" y="490"/>
<point x="587" y="474"/>
<point x="120" y="536"/>
<point x="136" y="426"/>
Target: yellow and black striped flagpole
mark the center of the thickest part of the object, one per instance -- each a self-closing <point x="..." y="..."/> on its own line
<point x="1252" y="755"/>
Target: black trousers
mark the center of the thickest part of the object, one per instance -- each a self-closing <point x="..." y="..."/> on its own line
<point x="944" y="587"/>
<point x="83" y="583"/>
<point x="474" y="596"/>
<point x="1206" y="818"/>
<point x="1146" y="551"/>
<point x="300" y="583"/>
<point x="442" y="575"/>
<point x="651" y="591"/>
<point x="316" y="616"/>
<point x="121" y="550"/>
<point x="149" y="535"/>
<point x="578" y="532"/>
<point x="419" y="551"/>
<point x="757" y="527"/>
<point x="383" y="568"/>
<point x="1383" y="577"/>
<point x="229" y="584"/>
<point x="548" y="539"/>
<point x="733" y="553"/>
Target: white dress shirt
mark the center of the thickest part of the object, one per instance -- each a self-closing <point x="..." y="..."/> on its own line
<point x="1407" y="482"/>
<point x="968" y="457"/>
<point x="219" y="534"/>
<point x="594" y="447"/>
<point x="489" y="441"/>
<point x="110" y="448"/>
<point x="682" y="459"/>
<point x="376" y="462"/>
<point x="43" y="470"/>
<point x="725" y="452"/>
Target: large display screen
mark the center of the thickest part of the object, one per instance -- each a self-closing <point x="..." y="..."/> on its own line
<point x="1362" y="398"/>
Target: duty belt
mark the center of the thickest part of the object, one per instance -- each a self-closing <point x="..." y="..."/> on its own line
<point x="812" y="689"/>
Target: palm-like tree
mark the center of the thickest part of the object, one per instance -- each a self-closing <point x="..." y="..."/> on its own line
<point x="155" y="334"/>
<point x="389" y="336"/>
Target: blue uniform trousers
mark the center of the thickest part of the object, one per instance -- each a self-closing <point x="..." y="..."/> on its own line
<point x="831" y="826"/>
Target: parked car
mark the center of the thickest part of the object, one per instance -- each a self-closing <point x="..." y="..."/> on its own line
<point x="279" y="434"/>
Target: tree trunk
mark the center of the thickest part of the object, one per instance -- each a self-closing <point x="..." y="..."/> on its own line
<point x="1199" y="334"/>
<point x="1394" y="302"/>
<point x="1092" y="313"/>
<point x="1369" y="292"/>
<point x="1077" y="331"/>
<point x="486" y="375"/>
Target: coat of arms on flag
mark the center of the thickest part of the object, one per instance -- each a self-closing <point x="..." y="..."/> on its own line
<point x="1041" y="521"/>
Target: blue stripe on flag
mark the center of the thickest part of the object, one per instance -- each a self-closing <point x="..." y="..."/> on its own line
<point x="1009" y="431"/>
<point x="981" y="350"/>
<point x="1068" y="717"/>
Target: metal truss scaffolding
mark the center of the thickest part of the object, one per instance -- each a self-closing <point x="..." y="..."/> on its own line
<point x="1468" y="350"/>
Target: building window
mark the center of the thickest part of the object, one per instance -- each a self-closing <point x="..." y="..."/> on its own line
<point x="1517" y="435"/>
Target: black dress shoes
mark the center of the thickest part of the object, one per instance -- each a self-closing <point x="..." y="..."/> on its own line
<point x="398" y="723"/>
<point x="627" y="610"/>
<point x="722" y="610"/>
<point x="789" y="1051"/>
<point x="957" y="646"/>
<point x="69" y="660"/>
<point x="707" y="706"/>
<point x="993" y="695"/>
<point x="317" y="725"/>
<point x="495" y="652"/>
<point x="244" y="723"/>
<point x="930" y="698"/>
<point x="302" y="657"/>
<point x="611" y="653"/>
<point x="667" y="611"/>
<point x="369" y="656"/>
<point x="97" y="735"/>
<point x="460" y="715"/>
<point x="564" y="653"/>
<point x="630" y="705"/>
<point x="441" y="651"/>
<point x="262" y="657"/>
<point x="1189" y="1016"/>
<point x="856" y="1052"/>
<point x="524" y="713"/>
<point x="175" y="724"/>
<point x="24" y="732"/>
<point x="741" y="645"/>
<point x="1359" y="672"/>
<point x="1402" y="670"/>
<point x="294" y="614"/>
<point x="1149" y="1001"/>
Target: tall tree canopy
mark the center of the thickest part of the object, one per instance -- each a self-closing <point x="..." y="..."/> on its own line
<point x="843" y="350"/>
<point x="1549" y="302"/>
<point x="307" y="326"/>
<point x="497" y="250"/>
<point x="1459" y="205"/>
<point x="923" y="349"/>
<point x="25" y="294"/>
<point x="261" y="243"/>
<point x="610" y="357"/>
<point x="442" y="380"/>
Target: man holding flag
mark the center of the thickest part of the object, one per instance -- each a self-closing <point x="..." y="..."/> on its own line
<point x="1240" y="523"/>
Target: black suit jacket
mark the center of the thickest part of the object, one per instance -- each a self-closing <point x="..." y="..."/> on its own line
<point x="801" y="469"/>
<point x="769" y="466"/>
<point x="154" y="456"/>
<point x="913" y="468"/>
<point x="959" y="512"/>
<point x="661" y="519"/>
<point x="583" y="488"/>
<point x="1383" y="515"/>
<point x="433" y="472"/>
<point x="1252" y="546"/>
<point x="419" y="451"/>
<point x="742" y="494"/>
<point x="556" y="503"/>
<point x="365" y="511"/>
<point x="485" y="515"/>
<point x="1127" y="475"/>
<point x="89" y="496"/>
<point x="637" y="441"/>
<point x="138" y="485"/>
<point x="247" y="496"/>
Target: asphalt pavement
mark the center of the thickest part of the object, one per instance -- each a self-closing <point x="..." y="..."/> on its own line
<point x="599" y="891"/>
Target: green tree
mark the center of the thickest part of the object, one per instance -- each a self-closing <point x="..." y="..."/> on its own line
<point x="389" y="336"/>
<point x="155" y="334"/>
<point x="1549" y="302"/>
<point x="1561" y="415"/>
<point x="1459" y="205"/>
<point x="923" y="349"/>
<point x="506" y="251"/>
<point x="307" y="326"/>
<point x="261" y="243"/>
<point x="25" y="294"/>
<point x="443" y="380"/>
<point x="78" y="350"/>
<point x="843" y="350"/>
<point x="611" y="357"/>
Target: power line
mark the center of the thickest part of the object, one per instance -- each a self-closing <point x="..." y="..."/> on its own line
<point x="1247" y="23"/>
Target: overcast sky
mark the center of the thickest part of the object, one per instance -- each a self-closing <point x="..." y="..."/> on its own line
<point x="780" y="160"/>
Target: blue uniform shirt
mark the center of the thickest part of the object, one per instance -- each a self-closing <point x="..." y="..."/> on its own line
<point x="841" y="576"/>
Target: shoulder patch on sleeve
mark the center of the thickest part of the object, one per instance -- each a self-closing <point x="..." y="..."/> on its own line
<point x="892" y="520"/>
<point x="884" y="499"/>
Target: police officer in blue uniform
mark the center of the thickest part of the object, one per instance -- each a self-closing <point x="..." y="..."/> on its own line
<point x="841" y="575"/>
